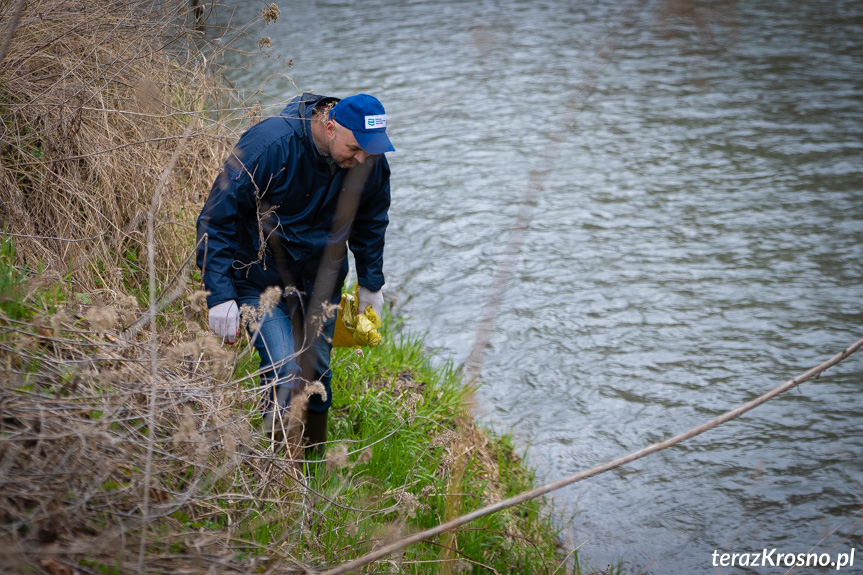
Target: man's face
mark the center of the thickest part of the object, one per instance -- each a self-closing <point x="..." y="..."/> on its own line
<point x="343" y="147"/>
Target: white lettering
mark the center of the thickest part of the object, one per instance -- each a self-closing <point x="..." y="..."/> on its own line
<point x="756" y="560"/>
<point x="773" y="558"/>
<point x="841" y="561"/>
<point x="374" y="122"/>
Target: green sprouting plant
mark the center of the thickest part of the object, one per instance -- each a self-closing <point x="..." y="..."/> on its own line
<point x="16" y="301"/>
<point x="11" y="279"/>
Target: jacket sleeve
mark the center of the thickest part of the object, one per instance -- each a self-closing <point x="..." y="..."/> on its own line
<point x="225" y="216"/>
<point x="370" y="226"/>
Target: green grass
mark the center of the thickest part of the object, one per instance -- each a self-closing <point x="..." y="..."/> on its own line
<point x="403" y="485"/>
<point x="394" y="480"/>
<point x="17" y="300"/>
<point x="412" y="458"/>
<point x="11" y="280"/>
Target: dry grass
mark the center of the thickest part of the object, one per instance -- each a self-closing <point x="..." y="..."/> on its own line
<point x="137" y="450"/>
<point x="93" y="103"/>
<point x="74" y="427"/>
<point x="72" y="445"/>
<point x="96" y="99"/>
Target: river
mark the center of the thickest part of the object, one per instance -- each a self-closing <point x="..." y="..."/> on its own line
<point x="697" y="240"/>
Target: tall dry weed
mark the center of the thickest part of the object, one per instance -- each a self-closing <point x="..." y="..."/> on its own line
<point x="74" y="418"/>
<point x="94" y="99"/>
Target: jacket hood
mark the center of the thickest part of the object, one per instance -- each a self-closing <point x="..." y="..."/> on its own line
<point x="300" y="109"/>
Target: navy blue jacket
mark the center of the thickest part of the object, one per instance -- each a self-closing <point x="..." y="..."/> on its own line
<point x="277" y="172"/>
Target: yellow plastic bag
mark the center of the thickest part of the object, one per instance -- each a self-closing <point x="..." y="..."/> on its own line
<point x="356" y="329"/>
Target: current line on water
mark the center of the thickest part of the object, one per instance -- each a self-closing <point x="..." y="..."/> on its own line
<point x="598" y="470"/>
<point x="536" y="183"/>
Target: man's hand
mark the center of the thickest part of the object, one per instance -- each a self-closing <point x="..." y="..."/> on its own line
<point x="225" y="320"/>
<point x="372" y="298"/>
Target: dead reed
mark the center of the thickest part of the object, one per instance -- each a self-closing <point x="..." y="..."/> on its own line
<point x="93" y="102"/>
<point x="137" y="449"/>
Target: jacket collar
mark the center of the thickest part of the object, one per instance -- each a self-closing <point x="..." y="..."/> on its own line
<point x="302" y="108"/>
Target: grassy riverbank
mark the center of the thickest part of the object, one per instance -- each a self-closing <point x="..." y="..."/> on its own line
<point x="77" y="444"/>
<point x="131" y="446"/>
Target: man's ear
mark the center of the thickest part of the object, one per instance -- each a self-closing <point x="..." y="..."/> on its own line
<point x="331" y="128"/>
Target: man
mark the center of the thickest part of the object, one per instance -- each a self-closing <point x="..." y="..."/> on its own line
<point x="297" y="187"/>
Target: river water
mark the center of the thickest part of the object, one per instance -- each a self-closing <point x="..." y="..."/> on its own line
<point x="697" y="240"/>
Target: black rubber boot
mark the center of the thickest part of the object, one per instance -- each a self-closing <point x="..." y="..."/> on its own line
<point x="316" y="432"/>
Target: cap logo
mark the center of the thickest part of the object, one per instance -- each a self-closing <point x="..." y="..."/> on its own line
<point x="373" y="122"/>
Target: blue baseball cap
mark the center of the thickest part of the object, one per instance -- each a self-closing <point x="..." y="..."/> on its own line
<point x="364" y="115"/>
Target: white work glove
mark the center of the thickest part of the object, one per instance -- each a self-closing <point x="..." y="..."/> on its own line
<point x="225" y="320"/>
<point x="372" y="298"/>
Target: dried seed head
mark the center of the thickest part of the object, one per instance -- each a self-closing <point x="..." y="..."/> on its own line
<point x="337" y="457"/>
<point x="57" y="319"/>
<point x="444" y="438"/>
<point x="330" y="310"/>
<point x="185" y="349"/>
<point x="222" y="356"/>
<point x="412" y="400"/>
<point x="447" y="462"/>
<point x="249" y="318"/>
<point x="127" y="301"/>
<point x="230" y="446"/>
<point x="409" y="504"/>
<point x="186" y="428"/>
<point x="299" y="403"/>
<point x="269" y="300"/>
<point x="270" y="13"/>
<point x="255" y="111"/>
<point x="24" y="343"/>
<point x="365" y="457"/>
<point x="198" y="300"/>
<point x="316" y="388"/>
<point x="265" y="42"/>
<point x="212" y="346"/>
<point x="101" y="318"/>
<point x="202" y="450"/>
<point x="317" y="322"/>
<point x="327" y="108"/>
<point x="193" y="327"/>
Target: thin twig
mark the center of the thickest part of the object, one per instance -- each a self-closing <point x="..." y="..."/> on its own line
<point x="13" y="25"/>
<point x="834" y="530"/>
<point x="108" y="150"/>
<point x="154" y="343"/>
<point x="548" y="488"/>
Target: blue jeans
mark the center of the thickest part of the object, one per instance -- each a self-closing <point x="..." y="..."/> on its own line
<point x="277" y="344"/>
